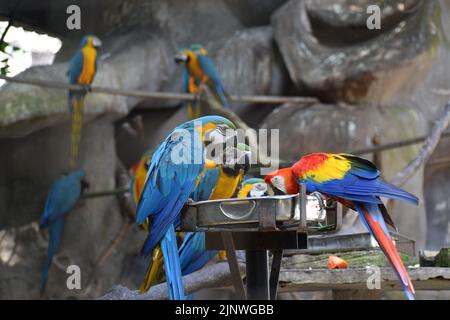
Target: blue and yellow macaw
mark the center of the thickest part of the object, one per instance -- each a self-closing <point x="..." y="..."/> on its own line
<point x="356" y="183"/>
<point x="200" y="69"/>
<point x="138" y="175"/>
<point x="175" y="169"/>
<point x="253" y="188"/>
<point x="137" y="180"/>
<point x="61" y="198"/>
<point x="216" y="183"/>
<point x="82" y="69"/>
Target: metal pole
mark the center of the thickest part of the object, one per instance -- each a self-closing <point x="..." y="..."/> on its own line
<point x="257" y="274"/>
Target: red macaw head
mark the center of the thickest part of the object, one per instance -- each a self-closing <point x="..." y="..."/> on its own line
<point x="284" y="180"/>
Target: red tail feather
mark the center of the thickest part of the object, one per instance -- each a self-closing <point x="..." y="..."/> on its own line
<point x="389" y="249"/>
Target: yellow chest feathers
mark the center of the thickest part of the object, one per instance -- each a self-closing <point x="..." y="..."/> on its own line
<point x="88" y="71"/>
<point x="226" y="186"/>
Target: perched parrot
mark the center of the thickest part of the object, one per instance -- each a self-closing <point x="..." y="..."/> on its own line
<point x="61" y="198"/>
<point x="199" y="69"/>
<point x="139" y="173"/>
<point x="137" y="181"/>
<point x="216" y="183"/>
<point x="82" y="69"/>
<point x="356" y="183"/>
<point x="254" y="187"/>
<point x="175" y="169"/>
<point x="191" y="86"/>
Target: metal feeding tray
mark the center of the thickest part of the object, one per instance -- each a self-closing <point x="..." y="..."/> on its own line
<point x="256" y="225"/>
<point x="323" y="243"/>
<point x="262" y="213"/>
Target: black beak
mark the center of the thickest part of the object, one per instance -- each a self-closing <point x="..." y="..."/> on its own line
<point x="277" y="191"/>
<point x="245" y="166"/>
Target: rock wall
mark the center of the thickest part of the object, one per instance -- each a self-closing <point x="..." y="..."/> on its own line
<point x="389" y="84"/>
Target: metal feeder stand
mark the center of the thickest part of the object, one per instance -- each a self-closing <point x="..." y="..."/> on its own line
<point x="257" y="225"/>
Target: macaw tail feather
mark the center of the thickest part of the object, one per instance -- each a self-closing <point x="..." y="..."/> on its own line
<point x="373" y="219"/>
<point x="221" y="94"/>
<point x="55" y="232"/>
<point x="77" y="123"/>
<point x="172" y="265"/>
<point x="155" y="271"/>
<point x="193" y="253"/>
<point x="194" y="110"/>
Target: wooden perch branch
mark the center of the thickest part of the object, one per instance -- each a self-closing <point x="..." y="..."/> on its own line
<point x="440" y="125"/>
<point x="157" y="95"/>
<point x="213" y="276"/>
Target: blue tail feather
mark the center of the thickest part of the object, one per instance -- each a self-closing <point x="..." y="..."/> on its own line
<point x="172" y="265"/>
<point x="55" y="232"/>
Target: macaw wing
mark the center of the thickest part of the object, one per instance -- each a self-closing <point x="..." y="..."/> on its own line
<point x="132" y="190"/>
<point x="361" y="167"/>
<point x="185" y="81"/>
<point x="171" y="178"/>
<point x="193" y="253"/>
<point x="75" y="67"/>
<point x="208" y="67"/>
<point x="355" y="179"/>
<point x="338" y="188"/>
<point x="61" y="198"/>
<point x="206" y="185"/>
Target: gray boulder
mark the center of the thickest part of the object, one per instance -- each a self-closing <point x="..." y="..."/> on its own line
<point x="254" y="12"/>
<point x="365" y="67"/>
<point x="249" y="64"/>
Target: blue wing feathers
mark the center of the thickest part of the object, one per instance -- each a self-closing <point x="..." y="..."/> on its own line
<point x="61" y="198"/>
<point x="210" y="70"/>
<point x="206" y="185"/>
<point x="168" y="185"/>
<point x="193" y="253"/>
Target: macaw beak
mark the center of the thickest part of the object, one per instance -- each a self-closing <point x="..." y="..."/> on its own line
<point x="181" y="58"/>
<point x="268" y="178"/>
<point x="244" y="160"/>
<point x="96" y="42"/>
<point x="230" y="138"/>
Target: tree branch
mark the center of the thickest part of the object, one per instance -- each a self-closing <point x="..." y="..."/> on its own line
<point x="430" y="144"/>
<point x="207" y="97"/>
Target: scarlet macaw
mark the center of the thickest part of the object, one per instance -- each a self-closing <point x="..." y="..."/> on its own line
<point x="356" y="183"/>
<point x="254" y="187"/>
<point x="61" y="198"/>
<point x="199" y="69"/>
<point x="216" y="183"/>
<point x="175" y="169"/>
<point x="82" y="69"/>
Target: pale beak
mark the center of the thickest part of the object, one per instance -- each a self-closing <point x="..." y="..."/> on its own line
<point x="96" y="42"/>
<point x="181" y="57"/>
